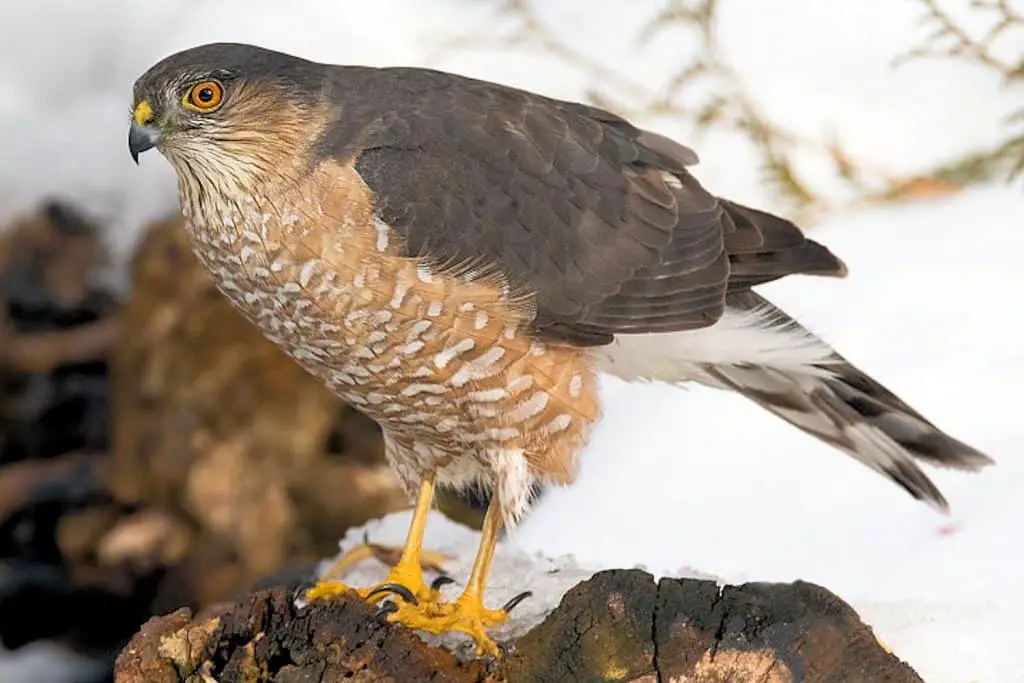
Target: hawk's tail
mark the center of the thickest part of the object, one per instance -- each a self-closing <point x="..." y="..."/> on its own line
<point x="841" y="405"/>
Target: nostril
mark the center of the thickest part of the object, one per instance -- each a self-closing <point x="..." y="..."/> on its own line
<point x="143" y="113"/>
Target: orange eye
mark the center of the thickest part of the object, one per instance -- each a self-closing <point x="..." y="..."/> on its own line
<point x="205" y="96"/>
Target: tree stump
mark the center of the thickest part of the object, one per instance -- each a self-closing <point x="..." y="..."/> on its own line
<point x="619" y="625"/>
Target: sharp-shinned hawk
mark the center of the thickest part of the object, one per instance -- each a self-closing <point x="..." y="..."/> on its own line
<point x="459" y="260"/>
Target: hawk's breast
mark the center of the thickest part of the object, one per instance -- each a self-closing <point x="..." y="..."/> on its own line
<point x="434" y="358"/>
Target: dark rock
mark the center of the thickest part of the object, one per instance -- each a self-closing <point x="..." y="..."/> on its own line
<point x="601" y="631"/>
<point x="41" y="602"/>
<point x="266" y="638"/>
<point x="55" y="331"/>
<point x="34" y="496"/>
<point x="52" y="586"/>
<point x="766" y="632"/>
<point x="621" y="626"/>
<point x="55" y="335"/>
<point x="141" y="659"/>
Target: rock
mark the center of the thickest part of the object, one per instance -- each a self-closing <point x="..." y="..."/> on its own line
<point x="57" y="324"/>
<point x="48" y="261"/>
<point x="766" y="632"/>
<point x="622" y="626"/>
<point x="601" y="631"/>
<point x="141" y="659"/>
<point x="266" y="638"/>
<point x="56" y="328"/>
<point x="52" y="584"/>
<point x="619" y="625"/>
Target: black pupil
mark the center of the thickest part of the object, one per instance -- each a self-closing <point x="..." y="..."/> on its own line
<point x="205" y="95"/>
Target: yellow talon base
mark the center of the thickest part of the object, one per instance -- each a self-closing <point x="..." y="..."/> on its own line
<point x="407" y="575"/>
<point x="405" y="579"/>
<point x="430" y="613"/>
<point x="466" y="614"/>
<point x="323" y="590"/>
<point x="416" y="604"/>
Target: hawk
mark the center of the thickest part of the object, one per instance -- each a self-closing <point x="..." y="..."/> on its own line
<point x="460" y="259"/>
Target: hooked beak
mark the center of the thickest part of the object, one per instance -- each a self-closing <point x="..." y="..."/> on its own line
<point x="141" y="138"/>
<point x="144" y="134"/>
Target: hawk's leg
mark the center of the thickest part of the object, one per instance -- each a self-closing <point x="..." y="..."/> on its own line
<point x="405" y="580"/>
<point x="467" y="613"/>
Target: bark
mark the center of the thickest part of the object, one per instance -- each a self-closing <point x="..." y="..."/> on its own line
<point x="619" y="625"/>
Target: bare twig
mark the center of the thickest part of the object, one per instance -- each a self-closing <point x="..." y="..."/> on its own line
<point x="949" y="40"/>
<point x="43" y="351"/>
<point x="707" y="92"/>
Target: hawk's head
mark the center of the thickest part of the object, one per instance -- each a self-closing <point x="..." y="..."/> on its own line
<point x="223" y="108"/>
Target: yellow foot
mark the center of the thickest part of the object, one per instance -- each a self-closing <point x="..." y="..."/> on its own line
<point x="466" y="615"/>
<point x="405" y="580"/>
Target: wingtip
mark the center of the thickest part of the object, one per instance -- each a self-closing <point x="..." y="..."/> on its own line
<point x="830" y="264"/>
<point x="975" y="461"/>
<point x="841" y="268"/>
<point x="939" y="504"/>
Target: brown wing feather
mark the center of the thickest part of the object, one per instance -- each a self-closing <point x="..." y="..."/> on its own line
<point x="599" y="221"/>
<point x="763" y="247"/>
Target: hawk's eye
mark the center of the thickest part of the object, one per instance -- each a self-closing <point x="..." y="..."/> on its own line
<point x="205" y="96"/>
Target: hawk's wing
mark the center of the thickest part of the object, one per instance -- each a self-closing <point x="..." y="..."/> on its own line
<point x="601" y="222"/>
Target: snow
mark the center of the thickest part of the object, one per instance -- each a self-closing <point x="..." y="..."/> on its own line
<point x="701" y="478"/>
<point x="513" y="571"/>
<point x="50" y="662"/>
<point x="676" y="478"/>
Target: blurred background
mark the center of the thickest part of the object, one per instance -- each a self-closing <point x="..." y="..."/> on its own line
<point x="155" y="452"/>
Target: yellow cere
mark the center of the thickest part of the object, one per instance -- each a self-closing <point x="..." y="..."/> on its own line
<point x="143" y="113"/>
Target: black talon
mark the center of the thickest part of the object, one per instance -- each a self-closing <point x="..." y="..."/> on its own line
<point x="511" y="604"/>
<point x="300" y="591"/>
<point x="396" y="588"/>
<point x="387" y="608"/>
<point x="441" y="581"/>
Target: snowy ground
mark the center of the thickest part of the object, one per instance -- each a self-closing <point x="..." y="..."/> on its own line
<point x="43" y="662"/>
<point x="699" y="478"/>
<point x="715" y="484"/>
